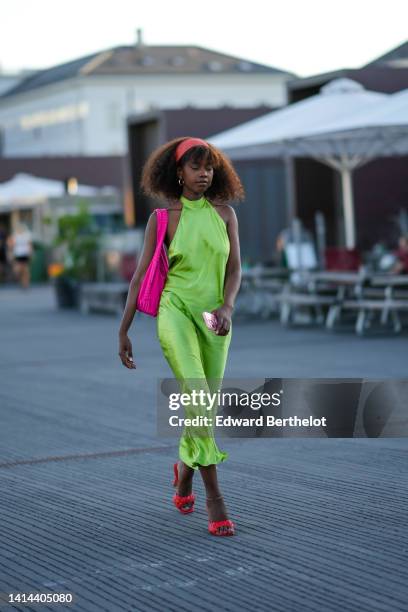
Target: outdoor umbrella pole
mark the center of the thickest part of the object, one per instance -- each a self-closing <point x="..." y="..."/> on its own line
<point x="345" y="166"/>
<point x="347" y="188"/>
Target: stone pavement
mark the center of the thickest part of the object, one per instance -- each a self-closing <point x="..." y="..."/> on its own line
<point x="86" y="484"/>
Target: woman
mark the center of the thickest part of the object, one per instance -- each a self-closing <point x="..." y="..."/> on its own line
<point x="3" y="253"/>
<point x="21" y="246"/>
<point x="401" y="254"/>
<point x="204" y="275"/>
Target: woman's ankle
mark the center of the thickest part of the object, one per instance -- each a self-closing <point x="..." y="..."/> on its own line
<point x="216" y="509"/>
<point x="213" y="494"/>
<point x="186" y="470"/>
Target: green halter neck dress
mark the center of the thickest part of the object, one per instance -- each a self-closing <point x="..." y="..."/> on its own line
<point x="198" y="256"/>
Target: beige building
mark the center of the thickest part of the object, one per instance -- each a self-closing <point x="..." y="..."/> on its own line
<point x="80" y="108"/>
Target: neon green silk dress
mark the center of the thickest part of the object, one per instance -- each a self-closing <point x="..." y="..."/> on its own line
<point x="197" y="255"/>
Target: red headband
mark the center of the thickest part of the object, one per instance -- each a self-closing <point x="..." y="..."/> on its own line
<point x="187" y="144"/>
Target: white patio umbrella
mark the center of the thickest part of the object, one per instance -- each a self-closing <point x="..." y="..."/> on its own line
<point x="380" y="131"/>
<point x="28" y="188"/>
<point x="315" y="127"/>
<point x="383" y="127"/>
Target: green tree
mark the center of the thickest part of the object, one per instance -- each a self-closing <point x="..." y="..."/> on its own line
<point x="80" y="240"/>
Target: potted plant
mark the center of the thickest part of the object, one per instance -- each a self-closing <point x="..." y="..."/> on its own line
<point x="78" y="241"/>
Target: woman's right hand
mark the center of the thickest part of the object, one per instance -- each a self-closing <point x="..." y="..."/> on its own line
<point x="125" y="352"/>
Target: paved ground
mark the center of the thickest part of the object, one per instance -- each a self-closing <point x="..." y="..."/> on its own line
<point x="86" y="483"/>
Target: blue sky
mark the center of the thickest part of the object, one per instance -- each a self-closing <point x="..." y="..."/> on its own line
<point x="304" y="37"/>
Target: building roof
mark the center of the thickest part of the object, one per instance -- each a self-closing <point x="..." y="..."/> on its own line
<point x="376" y="75"/>
<point x="396" y="58"/>
<point x="141" y="59"/>
<point x="317" y="79"/>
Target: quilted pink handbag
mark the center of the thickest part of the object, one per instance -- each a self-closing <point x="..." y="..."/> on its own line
<point x="148" y="298"/>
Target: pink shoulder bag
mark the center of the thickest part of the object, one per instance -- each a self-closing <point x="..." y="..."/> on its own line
<point x="148" y="298"/>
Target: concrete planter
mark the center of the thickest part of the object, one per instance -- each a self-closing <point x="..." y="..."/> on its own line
<point x="67" y="292"/>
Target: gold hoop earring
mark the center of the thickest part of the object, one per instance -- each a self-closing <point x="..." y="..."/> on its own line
<point x="180" y="181"/>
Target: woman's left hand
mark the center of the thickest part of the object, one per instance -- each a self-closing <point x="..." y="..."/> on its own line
<point x="223" y="314"/>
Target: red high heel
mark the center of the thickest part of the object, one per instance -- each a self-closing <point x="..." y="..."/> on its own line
<point x="214" y="525"/>
<point x="180" y="500"/>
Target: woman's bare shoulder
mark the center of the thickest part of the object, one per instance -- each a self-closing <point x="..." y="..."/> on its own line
<point x="225" y="210"/>
<point x="174" y="205"/>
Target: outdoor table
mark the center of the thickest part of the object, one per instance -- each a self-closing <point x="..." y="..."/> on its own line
<point x="264" y="272"/>
<point x="259" y="289"/>
<point x="390" y="282"/>
<point x="107" y="297"/>
<point x="319" y="281"/>
<point x="304" y="289"/>
<point x="348" y="278"/>
<point x="366" y="305"/>
<point x="341" y="280"/>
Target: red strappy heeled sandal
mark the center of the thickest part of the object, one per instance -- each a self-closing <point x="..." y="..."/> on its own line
<point x="214" y="525"/>
<point x="180" y="500"/>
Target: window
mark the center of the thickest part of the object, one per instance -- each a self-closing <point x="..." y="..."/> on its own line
<point x="178" y="60"/>
<point x="215" y="66"/>
<point x="147" y="60"/>
<point x="245" y="66"/>
<point x="113" y="115"/>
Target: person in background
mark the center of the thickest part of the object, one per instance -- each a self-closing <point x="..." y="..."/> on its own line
<point x="3" y="253"/>
<point x="21" y="247"/>
<point x="280" y="257"/>
<point x="401" y="266"/>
